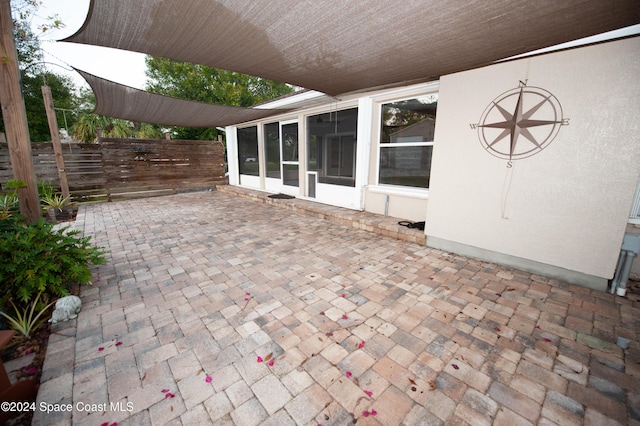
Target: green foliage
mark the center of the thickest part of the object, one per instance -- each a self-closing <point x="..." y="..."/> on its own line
<point x="63" y="93"/>
<point x="45" y="189"/>
<point x="205" y="84"/>
<point x="37" y="258"/>
<point x="54" y="201"/>
<point x="34" y="75"/>
<point x="30" y="318"/>
<point x="9" y="199"/>
<point x="86" y="128"/>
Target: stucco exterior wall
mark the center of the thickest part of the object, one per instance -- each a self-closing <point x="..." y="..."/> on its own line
<point x="568" y="205"/>
<point x="407" y="207"/>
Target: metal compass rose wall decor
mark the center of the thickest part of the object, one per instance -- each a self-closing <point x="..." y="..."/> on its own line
<point x="520" y="123"/>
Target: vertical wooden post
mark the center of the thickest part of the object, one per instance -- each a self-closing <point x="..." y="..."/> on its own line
<point x="55" y="139"/>
<point x="15" y="118"/>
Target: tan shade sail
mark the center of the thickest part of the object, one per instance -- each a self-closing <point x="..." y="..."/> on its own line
<point x="339" y="46"/>
<point x="117" y="100"/>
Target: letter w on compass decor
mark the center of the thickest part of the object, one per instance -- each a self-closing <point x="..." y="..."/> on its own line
<point x="520" y="123"/>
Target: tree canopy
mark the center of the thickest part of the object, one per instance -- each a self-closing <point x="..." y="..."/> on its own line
<point x="205" y="84"/>
<point x="35" y="74"/>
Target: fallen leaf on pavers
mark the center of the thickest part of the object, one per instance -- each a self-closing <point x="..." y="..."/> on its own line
<point x="432" y="384"/>
<point x="413" y="382"/>
<point x="144" y="376"/>
<point x="268" y="357"/>
<point x="356" y="381"/>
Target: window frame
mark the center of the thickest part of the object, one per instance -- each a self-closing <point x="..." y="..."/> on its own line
<point x="256" y="158"/>
<point x="431" y="89"/>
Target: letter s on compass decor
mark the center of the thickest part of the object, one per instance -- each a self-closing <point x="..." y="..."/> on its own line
<point x="520" y="123"/>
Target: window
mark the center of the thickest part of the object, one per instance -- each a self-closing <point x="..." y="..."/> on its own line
<point x="406" y="141"/>
<point x="248" y="151"/>
<point x="331" y="146"/>
<point x="272" y="149"/>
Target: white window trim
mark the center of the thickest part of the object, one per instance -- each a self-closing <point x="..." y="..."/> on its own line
<point x="404" y="94"/>
<point x="404" y="191"/>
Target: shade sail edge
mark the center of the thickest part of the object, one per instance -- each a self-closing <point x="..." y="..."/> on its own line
<point x="128" y="103"/>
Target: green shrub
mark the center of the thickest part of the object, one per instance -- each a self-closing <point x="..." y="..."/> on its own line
<point x="36" y="258"/>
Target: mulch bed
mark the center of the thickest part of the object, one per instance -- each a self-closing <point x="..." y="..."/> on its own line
<point x="21" y="346"/>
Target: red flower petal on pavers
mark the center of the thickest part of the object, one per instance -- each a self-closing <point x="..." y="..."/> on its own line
<point x="373" y="412"/>
<point x="342" y="295"/>
<point x="348" y="374"/>
<point x="259" y="359"/>
<point x="538" y="327"/>
<point x="497" y="329"/>
<point x="455" y="366"/>
<point x="118" y="343"/>
<point x="271" y="363"/>
<point x="208" y="379"/>
<point x="345" y="317"/>
<point x="369" y="393"/>
<point x="169" y="395"/>
<point x="100" y="349"/>
<point x="105" y="424"/>
<point x="164" y="390"/>
<point x="365" y="413"/>
<point x="247" y="293"/>
<point x="546" y="339"/>
<point x="246" y="299"/>
<point x="322" y="313"/>
<point x="361" y="345"/>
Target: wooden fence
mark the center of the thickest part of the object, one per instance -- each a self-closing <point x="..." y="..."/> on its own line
<point x="127" y="168"/>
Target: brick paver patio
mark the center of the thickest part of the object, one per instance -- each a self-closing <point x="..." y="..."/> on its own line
<point x="350" y="325"/>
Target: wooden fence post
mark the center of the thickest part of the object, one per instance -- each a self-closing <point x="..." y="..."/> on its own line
<point x="15" y="118"/>
<point x="55" y="139"/>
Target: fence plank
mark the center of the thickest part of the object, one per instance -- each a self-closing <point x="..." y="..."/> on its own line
<point x="127" y="168"/>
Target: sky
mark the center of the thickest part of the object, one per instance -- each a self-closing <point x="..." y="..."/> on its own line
<point x="112" y="64"/>
<point x="123" y="67"/>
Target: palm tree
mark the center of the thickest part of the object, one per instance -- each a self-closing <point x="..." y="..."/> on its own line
<point x="86" y="128"/>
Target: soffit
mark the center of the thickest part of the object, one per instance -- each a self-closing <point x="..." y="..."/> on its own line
<point x="341" y="46"/>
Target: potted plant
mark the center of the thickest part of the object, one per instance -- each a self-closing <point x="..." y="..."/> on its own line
<point x="57" y="206"/>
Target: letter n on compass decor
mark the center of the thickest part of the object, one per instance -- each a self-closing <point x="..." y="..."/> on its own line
<point x="520" y="123"/>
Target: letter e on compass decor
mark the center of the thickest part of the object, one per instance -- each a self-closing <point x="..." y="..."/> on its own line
<point x="520" y="123"/>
